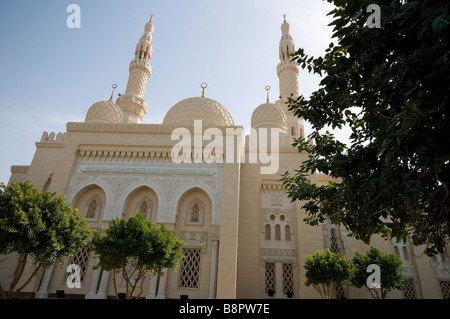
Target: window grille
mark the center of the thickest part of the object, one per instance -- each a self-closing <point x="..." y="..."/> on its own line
<point x="288" y="279"/>
<point x="195" y="213"/>
<point x="190" y="268"/>
<point x="92" y="209"/>
<point x="334" y="242"/>
<point x="81" y="259"/>
<point x="335" y="247"/>
<point x="409" y="289"/>
<point x="143" y="208"/>
<point x="339" y="293"/>
<point x="269" y="278"/>
<point x="445" y="288"/>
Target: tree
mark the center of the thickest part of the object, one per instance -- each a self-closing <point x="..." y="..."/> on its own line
<point x="326" y="271"/>
<point x="40" y="227"/>
<point x="391" y="276"/>
<point x="135" y="246"/>
<point x="391" y="87"/>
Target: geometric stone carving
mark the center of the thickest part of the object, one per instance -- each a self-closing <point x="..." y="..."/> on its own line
<point x="170" y="186"/>
<point x="119" y="184"/>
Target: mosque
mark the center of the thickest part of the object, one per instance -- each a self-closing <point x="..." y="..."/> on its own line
<point x="223" y="197"/>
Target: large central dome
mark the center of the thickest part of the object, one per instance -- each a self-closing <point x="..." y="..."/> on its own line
<point x="209" y="111"/>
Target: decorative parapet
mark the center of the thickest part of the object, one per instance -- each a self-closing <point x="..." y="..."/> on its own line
<point x="50" y="138"/>
<point x="19" y="169"/>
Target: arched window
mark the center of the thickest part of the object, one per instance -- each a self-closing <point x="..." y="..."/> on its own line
<point x="143" y="208"/>
<point x="277" y="231"/>
<point x="268" y="232"/>
<point x="287" y="230"/>
<point x="195" y="213"/>
<point x="92" y="209"/>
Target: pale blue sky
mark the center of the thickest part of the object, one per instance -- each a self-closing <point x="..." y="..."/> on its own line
<point x="51" y="75"/>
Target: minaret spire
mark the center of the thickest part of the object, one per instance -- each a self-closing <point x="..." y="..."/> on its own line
<point x="287" y="72"/>
<point x="133" y="102"/>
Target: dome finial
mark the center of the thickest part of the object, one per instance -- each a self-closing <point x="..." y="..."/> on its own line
<point x="267" y="89"/>
<point x="114" y="86"/>
<point x="151" y="17"/>
<point x="284" y="16"/>
<point x="203" y="86"/>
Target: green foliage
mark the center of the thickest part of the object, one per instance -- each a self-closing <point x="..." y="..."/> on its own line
<point x="134" y="247"/>
<point x="36" y="225"/>
<point x="390" y="86"/>
<point x="391" y="267"/>
<point x="326" y="271"/>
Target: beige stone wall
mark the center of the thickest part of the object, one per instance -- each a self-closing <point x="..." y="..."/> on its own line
<point x="244" y="194"/>
<point x="229" y="225"/>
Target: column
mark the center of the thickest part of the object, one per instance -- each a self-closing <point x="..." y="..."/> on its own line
<point x="213" y="273"/>
<point x="162" y="286"/>
<point x="279" y="279"/>
<point x="101" y="294"/>
<point x="152" y="289"/>
<point x="94" y="284"/>
<point x="43" y="289"/>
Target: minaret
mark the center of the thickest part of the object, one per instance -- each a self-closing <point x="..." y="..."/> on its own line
<point x="287" y="71"/>
<point x="133" y="103"/>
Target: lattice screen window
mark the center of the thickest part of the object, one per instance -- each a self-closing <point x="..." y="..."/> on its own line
<point x="409" y="289"/>
<point x="334" y="242"/>
<point x="92" y="209"/>
<point x="445" y="288"/>
<point x="288" y="279"/>
<point x="143" y="208"/>
<point x="190" y="268"/>
<point x="339" y="293"/>
<point x="195" y="213"/>
<point x="269" y="273"/>
<point x="82" y="260"/>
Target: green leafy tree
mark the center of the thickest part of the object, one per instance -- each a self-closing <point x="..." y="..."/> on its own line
<point x="39" y="227"/>
<point x="391" y="276"/>
<point x="326" y="271"/>
<point x="134" y="247"/>
<point x="391" y="87"/>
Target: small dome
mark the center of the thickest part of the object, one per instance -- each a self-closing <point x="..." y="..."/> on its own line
<point x="269" y="115"/>
<point x="104" y="112"/>
<point x="209" y="111"/>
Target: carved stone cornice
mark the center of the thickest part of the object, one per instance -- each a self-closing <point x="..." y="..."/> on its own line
<point x="272" y="186"/>
<point x="124" y="152"/>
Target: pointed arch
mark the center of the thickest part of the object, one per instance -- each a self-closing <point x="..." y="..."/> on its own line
<point x="90" y="202"/>
<point x="143" y="199"/>
<point x="194" y="208"/>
